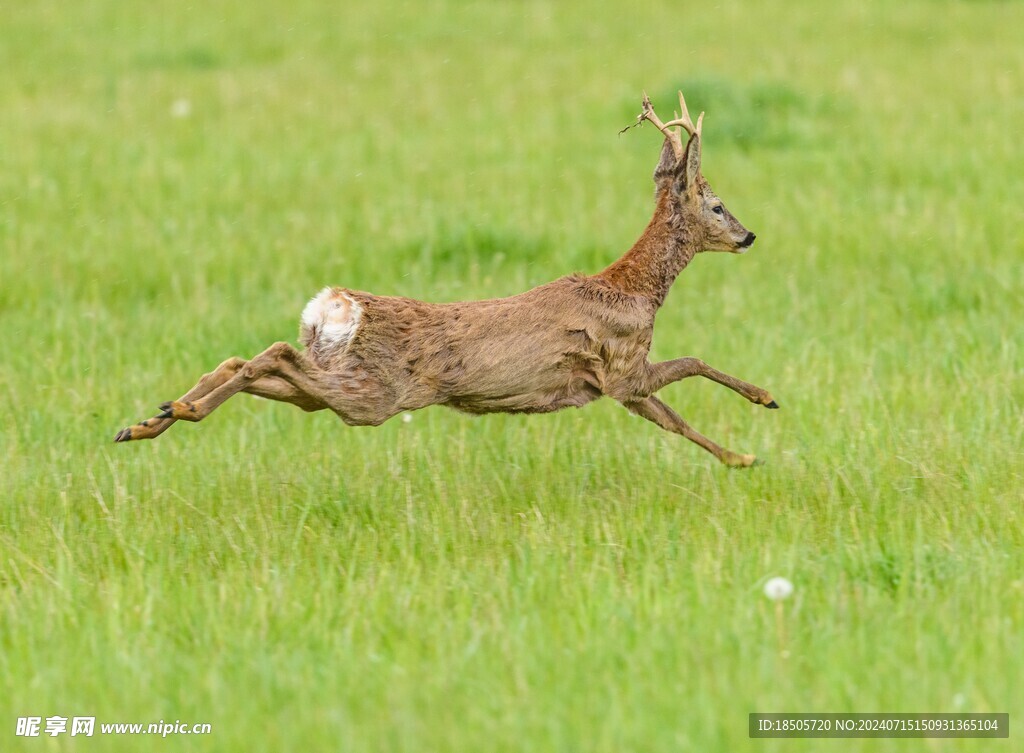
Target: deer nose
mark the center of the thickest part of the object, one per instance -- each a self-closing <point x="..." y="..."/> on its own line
<point x="749" y="240"/>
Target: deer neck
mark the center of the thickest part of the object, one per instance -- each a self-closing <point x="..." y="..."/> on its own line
<point x="664" y="249"/>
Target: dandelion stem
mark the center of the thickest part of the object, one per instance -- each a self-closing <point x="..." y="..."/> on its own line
<point x="780" y="627"/>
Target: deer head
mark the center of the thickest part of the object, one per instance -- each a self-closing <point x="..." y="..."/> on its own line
<point x="679" y="180"/>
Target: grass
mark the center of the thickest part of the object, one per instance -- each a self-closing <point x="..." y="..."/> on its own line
<point x="579" y="581"/>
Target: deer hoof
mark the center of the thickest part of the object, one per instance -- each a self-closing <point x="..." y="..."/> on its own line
<point x="125" y="435"/>
<point x="735" y="460"/>
<point x="772" y="405"/>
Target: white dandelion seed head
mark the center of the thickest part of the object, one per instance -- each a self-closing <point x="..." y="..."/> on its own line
<point x="778" y="588"/>
<point x="181" y="108"/>
<point x="406" y="418"/>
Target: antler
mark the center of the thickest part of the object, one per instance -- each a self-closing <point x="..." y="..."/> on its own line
<point x="673" y="136"/>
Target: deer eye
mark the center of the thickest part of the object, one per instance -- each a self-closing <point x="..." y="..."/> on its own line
<point x="718" y="210"/>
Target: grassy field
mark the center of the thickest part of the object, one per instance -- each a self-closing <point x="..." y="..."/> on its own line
<point x="177" y="179"/>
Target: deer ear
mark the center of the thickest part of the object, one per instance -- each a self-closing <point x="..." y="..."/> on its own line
<point x="666" y="164"/>
<point x="689" y="165"/>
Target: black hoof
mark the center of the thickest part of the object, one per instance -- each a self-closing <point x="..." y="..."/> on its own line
<point x="123" y="436"/>
<point x="772" y="405"/>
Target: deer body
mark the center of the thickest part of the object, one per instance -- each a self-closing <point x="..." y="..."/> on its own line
<point x="563" y="344"/>
<point x="556" y="346"/>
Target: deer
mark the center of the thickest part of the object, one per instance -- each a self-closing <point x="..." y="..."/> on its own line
<point x="564" y="344"/>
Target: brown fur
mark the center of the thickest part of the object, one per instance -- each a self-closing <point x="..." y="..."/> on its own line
<point x="559" y="345"/>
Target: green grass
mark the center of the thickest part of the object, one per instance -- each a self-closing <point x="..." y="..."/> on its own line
<point x="575" y="582"/>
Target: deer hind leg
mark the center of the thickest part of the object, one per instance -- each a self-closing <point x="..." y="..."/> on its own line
<point x="280" y="389"/>
<point x="278" y="373"/>
<point x="269" y="386"/>
<point x="154" y="427"/>
<point x="656" y="411"/>
<point x="667" y="372"/>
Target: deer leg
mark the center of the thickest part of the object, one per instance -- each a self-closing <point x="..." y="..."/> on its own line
<point x="270" y="387"/>
<point x="280" y="389"/>
<point x="666" y="372"/>
<point x="154" y="427"/>
<point x="293" y="382"/>
<point x="657" y="412"/>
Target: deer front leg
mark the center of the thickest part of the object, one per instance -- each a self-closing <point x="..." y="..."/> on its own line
<point x="667" y="372"/>
<point x="657" y="412"/>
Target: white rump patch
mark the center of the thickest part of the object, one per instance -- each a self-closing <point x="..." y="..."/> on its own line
<point x="329" y="320"/>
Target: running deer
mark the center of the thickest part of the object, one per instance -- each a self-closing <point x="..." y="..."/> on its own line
<point x="560" y="345"/>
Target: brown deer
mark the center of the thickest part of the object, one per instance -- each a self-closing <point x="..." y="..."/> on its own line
<point x="566" y="343"/>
